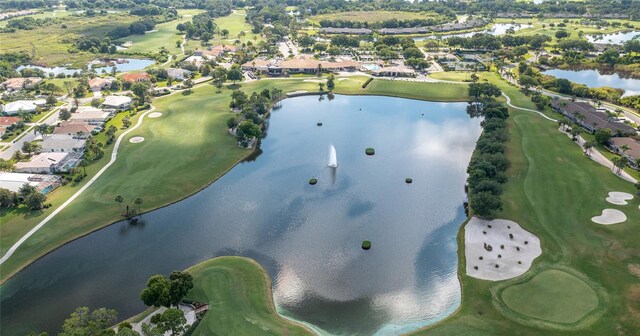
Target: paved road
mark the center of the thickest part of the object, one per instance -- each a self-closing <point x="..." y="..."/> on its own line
<point x="30" y="136"/>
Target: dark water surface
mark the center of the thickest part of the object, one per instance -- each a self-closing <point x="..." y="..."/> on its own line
<point x="307" y="237"/>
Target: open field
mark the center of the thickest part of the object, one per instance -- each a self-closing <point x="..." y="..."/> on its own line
<point x="372" y="16"/>
<point x="49" y="45"/>
<point x="553" y="191"/>
<point x="235" y="24"/>
<point x="43" y="15"/>
<point x="165" y="36"/>
<point x="238" y="291"/>
<point x="192" y="132"/>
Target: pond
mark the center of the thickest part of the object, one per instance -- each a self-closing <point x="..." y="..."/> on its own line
<point x="55" y="70"/>
<point x="307" y="237"/>
<point x="617" y="38"/>
<point x="496" y="29"/>
<point x="592" y="78"/>
<point x="123" y="65"/>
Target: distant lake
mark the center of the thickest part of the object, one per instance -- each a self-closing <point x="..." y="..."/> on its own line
<point x="55" y="70"/>
<point x="307" y="237"/>
<point x="592" y="79"/>
<point x="496" y="29"/>
<point x="617" y="38"/>
<point x="131" y="64"/>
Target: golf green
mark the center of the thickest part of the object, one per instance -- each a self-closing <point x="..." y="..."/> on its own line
<point x="552" y="295"/>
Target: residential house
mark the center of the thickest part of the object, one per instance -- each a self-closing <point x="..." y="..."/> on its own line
<point x="217" y="51"/>
<point x="62" y="143"/>
<point x="47" y="163"/>
<point x="119" y="103"/>
<point x="78" y="130"/>
<point x="585" y="115"/>
<point x="42" y="183"/>
<point x="19" y="83"/>
<point x="632" y="152"/>
<point x="179" y="74"/>
<point x="90" y="115"/>
<point x="99" y="83"/>
<point x="18" y="106"/>
<point x="6" y="122"/>
<point x="136" y="77"/>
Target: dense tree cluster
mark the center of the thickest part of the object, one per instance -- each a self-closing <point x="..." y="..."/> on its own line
<point x="391" y="23"/>
<point x="250" y="121"/>
<point x="162" y="291"/>
<point x="28" y="23"/>
<point x="27" y="195"/>
<point x="96" y="45"/>
<point x="487" y="169"/>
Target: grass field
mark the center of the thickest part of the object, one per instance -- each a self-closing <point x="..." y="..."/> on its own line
<point x="372" y="16"/>
<point x="235" y="24"/>
<point x="238" y="291"/>
<point x="553" y="191"/>
<point x="43" y="15"/>
<point x="166" y="36"/>
<point x="49" y="45"/>
<point x="568" y="300"/>
<point x="192" y="132"/>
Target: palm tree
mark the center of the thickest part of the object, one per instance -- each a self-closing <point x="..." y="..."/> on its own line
<point x="41" y="128"/>
<point x="138" y="202"/>
<point x="587" y="147"/>
<point x="624" y="148"/>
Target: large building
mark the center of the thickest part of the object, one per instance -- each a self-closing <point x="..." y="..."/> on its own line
<point x="18" y="106"/>
<point x="587" y="116"/>
<point x="297" y="65"/>
<point x="628" y="148"/>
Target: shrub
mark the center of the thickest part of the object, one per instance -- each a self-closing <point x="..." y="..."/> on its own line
<point x="364" y="85"/>
<point x="313" y="181"/>
<point x="366" y="245"/>
<point x="370" y="151"/>
<point x="408" y="180"/>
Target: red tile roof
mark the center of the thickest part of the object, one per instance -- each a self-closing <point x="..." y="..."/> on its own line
<point x="136" y="77"/>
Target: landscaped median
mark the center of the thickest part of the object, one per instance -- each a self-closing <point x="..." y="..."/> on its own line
<point x="185" y="149"/>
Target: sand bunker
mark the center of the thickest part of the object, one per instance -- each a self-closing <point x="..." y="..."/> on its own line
<point x="619" y="198"/>
<point x="498" y="249"/>
<point x="136" y="140"/>
<point x="155" y="115"/>
<point x="610" y="216"/>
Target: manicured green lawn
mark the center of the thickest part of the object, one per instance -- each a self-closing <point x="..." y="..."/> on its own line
<point x="552" y="295"/>
<point x="235" y="24"/>
<point x="553" y="191"/>
<point x="166" y="36"/>
<point x="238" y="291"/>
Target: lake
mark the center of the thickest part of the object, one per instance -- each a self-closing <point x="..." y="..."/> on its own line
<point x="307" y="237"/>
<point x="592" y="78"/>
<point x="617" y="38"/>
<point x="55" y="70"/>
<point x="129" y="64"/>
<point x="496" y="29"/>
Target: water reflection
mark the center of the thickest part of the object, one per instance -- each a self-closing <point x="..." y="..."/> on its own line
<point x="593" y="78"/>
<point x="307" y="237"/>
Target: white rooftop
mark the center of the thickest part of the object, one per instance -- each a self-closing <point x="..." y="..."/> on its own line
<point x="116" y="100"/>
<point x="13" y="181"/>
<point x="43" y="160"/>
<point x="24" y="105"/>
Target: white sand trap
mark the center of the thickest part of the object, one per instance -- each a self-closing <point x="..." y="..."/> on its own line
<point x="155" y="115"/>
<point x="136" y="140"/>
<point x="610" y="216"/>
<point x="296" y="92"/>
<point x="512" y="255"/>
<point x="341" y="79"/>
<point x="619" y="198"/>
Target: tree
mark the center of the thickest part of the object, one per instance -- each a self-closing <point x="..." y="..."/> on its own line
<point x="235" y="73"/>
<point x="8" y="198"/>
<point x="6" y="165"/>
<point x="69" y="86"/>
<point x="30" y="147"/>
<point x="321" y="86"/>
<point x="250" y="129"/>
<point x="158" y="292"/>
<point x="485" y="204"/>
<point x="609" y="57"/>
<point x="172" y="320"/>
<point x="64" y="114"/>
<point x="412" y="52"/>
<point x="119" y="199"/>
<point x="181" y="283"/>
<point x="41" y="128"/>
<point x="35" y="201"/>
<point x="603" y="135"/>
<point x="138" y="202"/>
<point x="85" y="322"/>
<point x="484" y="90"/>
<point x="219" y="75"/>
<point x="140" y="89"/>
<point x="51" y="100"/>
<point x="331" y="82"/>
<point x="560" y="34"/>
<point x="588" y="145"/>
<point x="527" y="81"/>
